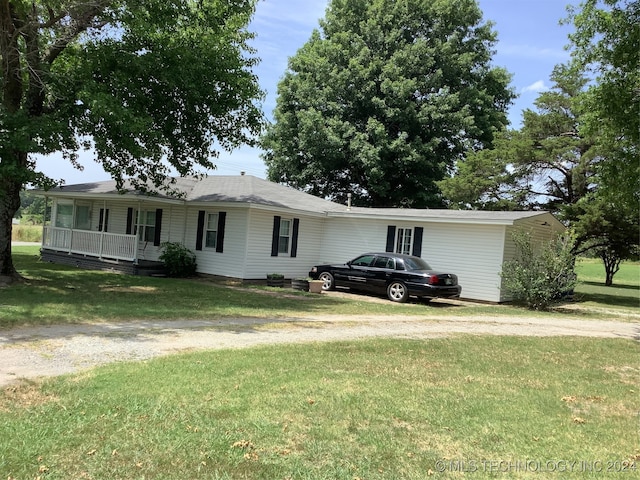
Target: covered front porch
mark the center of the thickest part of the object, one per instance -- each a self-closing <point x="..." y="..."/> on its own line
<point x="96" y="250"/>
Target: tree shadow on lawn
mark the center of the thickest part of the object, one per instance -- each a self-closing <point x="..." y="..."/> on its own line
<point x="615" y="295"/>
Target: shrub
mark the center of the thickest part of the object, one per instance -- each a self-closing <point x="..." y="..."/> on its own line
<point x="178" y="260"/>
<point x="540" y="277"/>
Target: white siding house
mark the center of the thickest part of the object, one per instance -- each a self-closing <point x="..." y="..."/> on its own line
<point x="243" y="227"/>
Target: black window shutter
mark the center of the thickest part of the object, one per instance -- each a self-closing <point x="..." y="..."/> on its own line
<point x="129" y="220"/>
<point x="294" y="238"/>
<point x="275" y="239"/>
<point x="103" y="222"/>
<point x="417" y="241"/>
<point x="200" y="230"/>
<point x="391" y="237"/>
<point x="156" y="237"/>
<point x="222" y="218"/>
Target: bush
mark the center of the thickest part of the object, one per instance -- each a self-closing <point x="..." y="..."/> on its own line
<point x="540" y="277"/>
<point x="178" y="260"/>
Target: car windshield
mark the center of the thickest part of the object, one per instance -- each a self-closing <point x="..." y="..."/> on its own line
<point x="415" y="263"/>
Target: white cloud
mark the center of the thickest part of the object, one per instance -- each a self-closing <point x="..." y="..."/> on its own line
<point x="538" y="86"/>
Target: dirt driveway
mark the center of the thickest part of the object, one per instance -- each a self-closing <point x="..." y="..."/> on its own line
<point x="30" y="352"/>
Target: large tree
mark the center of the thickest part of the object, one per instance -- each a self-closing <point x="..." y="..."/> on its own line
<point x="384" y="98"/>
<point x="551" y="163"/>
<point x="150" y="85"/>
<point x="606" y="42"/>
<point x="547" y="164"/>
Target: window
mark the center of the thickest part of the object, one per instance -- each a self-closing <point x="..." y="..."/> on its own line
<point x="64" y="215"/>
<point x="73" y="216"/>
<point x="384" y="262"/>
<point x="147" y="226"/>
<point x="363" y="261"/>
<point x="284" y="239"/>
<point x="403" y="241"/>
<point x="211" y="231"/>
<point x="83" y="217"/>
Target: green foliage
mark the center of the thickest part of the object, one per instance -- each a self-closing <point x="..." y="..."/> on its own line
<point x="178" y="260"/>
<point x="547" y="164"/>
<point x="150" y="85"/>
<point x="383" y="100"/>
<point x="540" y="275"/>
<point x="606" y="41"/>
<point x="484" y="180"/>
<point x="609" y="230"/>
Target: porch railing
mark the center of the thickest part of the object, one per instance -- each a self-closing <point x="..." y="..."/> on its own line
<point x="87" y="242"/>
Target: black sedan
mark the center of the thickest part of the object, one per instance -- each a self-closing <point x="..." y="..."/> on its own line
<point x="399" y="276"/>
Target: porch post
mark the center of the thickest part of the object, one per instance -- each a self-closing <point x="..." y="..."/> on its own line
<point x="44" y="222"/>
<point x="73" y="224"/>
<point x="136" y="230"/>
<point x="104" y="213"/>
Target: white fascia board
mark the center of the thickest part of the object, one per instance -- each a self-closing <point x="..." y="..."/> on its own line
<point x="418" y="218"/>
<point x="111" y="197"/>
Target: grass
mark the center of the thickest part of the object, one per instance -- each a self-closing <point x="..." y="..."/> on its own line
<point x="375" y="409"/>
<point x="26" y="233"/>
<point x="61" y="294"/>
<point x="623" y="294"/>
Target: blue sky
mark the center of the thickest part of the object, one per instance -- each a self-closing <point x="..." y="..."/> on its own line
<point x="530" y="43"/>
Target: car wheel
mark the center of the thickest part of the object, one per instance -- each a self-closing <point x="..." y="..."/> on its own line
<point x="327" y="278"/>
<point x="397" y="292"/>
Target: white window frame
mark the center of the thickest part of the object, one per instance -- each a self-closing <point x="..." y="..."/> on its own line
<point x="71" y="218"/>
<point x="68" y="217"/>
<point x="284" y="240"/>
<point x="145" y="229"/>
<point x="211" y="228"/>
<point x="76" y="210"/>
<point x="404" y="240"/>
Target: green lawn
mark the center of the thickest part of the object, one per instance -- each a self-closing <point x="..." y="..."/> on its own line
<point x="480" y="406"/>
<point x="61" y="294"/>
<point x="625" y="291"/>
<point x="375" y="409"/>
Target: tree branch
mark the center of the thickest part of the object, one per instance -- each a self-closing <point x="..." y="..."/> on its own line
<point x="81" y="21"/>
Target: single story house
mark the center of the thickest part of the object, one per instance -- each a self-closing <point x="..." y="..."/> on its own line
<point x="244" y="227"/>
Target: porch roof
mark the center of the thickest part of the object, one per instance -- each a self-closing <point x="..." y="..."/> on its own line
<point x="245" y="189"/>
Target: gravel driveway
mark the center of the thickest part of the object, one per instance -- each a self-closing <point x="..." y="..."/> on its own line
<point x="32" y="352"/>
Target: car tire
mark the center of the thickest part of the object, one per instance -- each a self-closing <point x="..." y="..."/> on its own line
<point x="329" y="281"/>
<point x="397" y="292"/>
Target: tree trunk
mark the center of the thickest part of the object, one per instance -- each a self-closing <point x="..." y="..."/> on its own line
<point x="9" y="204"/>
<point x="611" y="266"/>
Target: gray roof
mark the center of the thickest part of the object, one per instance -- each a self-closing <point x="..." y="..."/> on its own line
<point x="247" y="189"/>
<point x="215" y="188"/>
